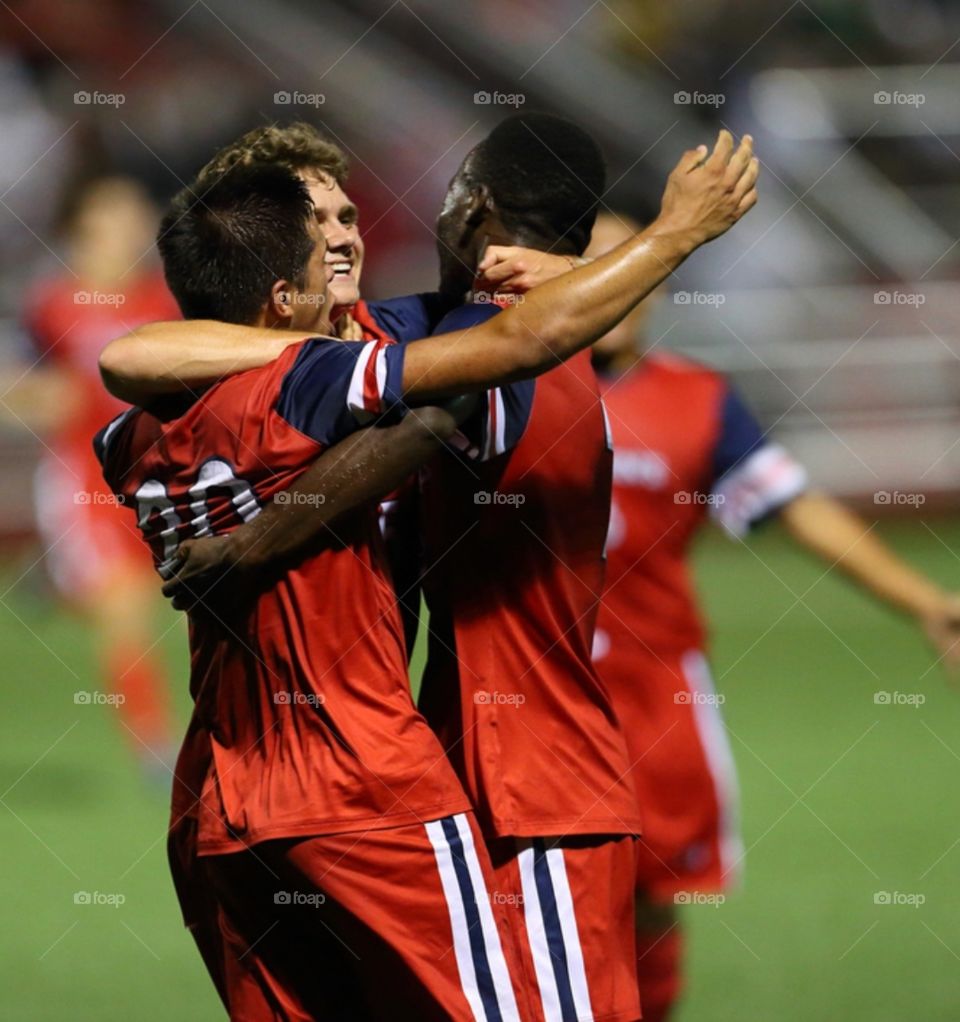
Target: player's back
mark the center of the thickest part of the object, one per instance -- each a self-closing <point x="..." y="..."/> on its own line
<point x="514" y="572"/>
<point x="304" y="695"/>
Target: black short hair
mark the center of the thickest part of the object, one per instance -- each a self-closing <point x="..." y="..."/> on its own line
<point x="226" y="242"/>
<point x="543" y="171"/>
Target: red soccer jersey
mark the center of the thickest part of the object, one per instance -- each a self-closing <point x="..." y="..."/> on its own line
<point x="303" y="720"/>
<point x="685" y="447"/>
<point x="513" y="573"/>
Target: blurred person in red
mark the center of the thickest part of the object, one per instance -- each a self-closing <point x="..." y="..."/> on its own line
<point x="109" y="283"/>
<point x="687" y="449"/>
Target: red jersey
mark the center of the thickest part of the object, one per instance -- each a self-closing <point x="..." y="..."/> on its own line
<point x="70" y="326"/>
<point x="513" y="571"/>
<point x="303" y="720"/>
<point x="685" y="447"/>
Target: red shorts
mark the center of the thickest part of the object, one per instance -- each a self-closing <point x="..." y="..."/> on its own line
<point x="387" y="924"/>
<point x="685" y="778"/>
<point x="570" y="902"/>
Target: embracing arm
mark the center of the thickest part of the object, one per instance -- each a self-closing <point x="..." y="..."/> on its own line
<point x="704" y="197"/>
<point x="365" y="466"/>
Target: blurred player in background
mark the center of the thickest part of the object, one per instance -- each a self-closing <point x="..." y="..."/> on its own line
<point x="109" y="284"/>
<point x="688" y="449"/>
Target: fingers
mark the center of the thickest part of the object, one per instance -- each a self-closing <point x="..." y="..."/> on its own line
<point x="748" y="179"/>
<point x="742" y="157"/>
<point x="500" y="273"/>
<point x="496" y="254"/>
<point x="720" y="156"/>
<point x="691" y="159"/>
<point x="747" y="203"/>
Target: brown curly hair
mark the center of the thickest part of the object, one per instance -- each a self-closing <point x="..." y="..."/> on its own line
<point x="297" y="146"/>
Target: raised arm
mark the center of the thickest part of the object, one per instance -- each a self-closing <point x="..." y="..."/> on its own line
<point x="704" y="197"/>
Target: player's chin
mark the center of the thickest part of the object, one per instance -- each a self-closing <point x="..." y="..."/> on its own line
<point x="344" y="292"/>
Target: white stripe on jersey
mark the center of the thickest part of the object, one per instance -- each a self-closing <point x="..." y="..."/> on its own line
<point x="571" y="935"/>
<point x="537" y="935"/>
<point x="359" y="407"/>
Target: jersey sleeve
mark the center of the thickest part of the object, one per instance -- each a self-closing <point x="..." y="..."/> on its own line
<point x="336" y="387"/>
<point x="503" y="412"/>
<point x="753" y="478"/>
<point x="409" y="317"/>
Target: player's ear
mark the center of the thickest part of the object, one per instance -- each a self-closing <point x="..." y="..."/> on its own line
<point x="280" y="303"/>
<point x="480" y="205"/>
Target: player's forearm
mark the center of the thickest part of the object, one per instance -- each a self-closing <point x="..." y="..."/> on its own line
<point x="167" y="358"/>
<point x="555" y="320"/>
<point x="366" y="466"/>
<point x="838" y="536"/>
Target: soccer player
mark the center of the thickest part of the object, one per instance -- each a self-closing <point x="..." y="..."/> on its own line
<point x="520" y="615"/>
<point x="95" y="556"/>
<point x="272" y="781"/>
<point x="688" y="449"/>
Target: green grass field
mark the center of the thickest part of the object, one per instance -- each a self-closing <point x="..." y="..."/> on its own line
<point x="843" y="798"/>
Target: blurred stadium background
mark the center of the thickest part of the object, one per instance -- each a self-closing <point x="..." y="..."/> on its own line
<point x="834" y="306"/>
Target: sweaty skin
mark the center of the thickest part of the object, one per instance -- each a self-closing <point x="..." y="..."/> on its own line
<point x="704" y="197"/>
